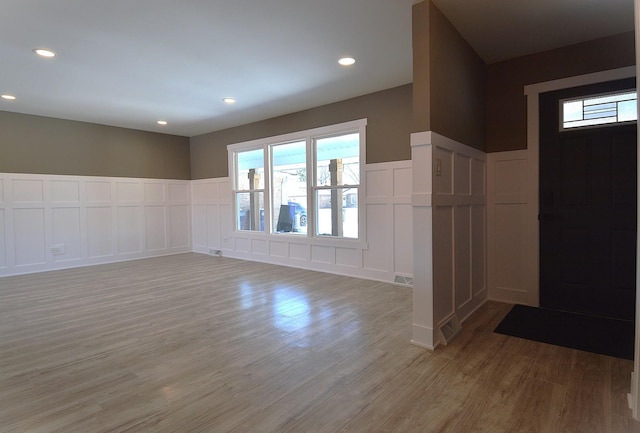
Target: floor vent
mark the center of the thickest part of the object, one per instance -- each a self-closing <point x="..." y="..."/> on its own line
<point x="449" y="329"/>
<point x="401" y="279"/>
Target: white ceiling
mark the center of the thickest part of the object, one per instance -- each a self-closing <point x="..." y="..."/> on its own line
<point x="129" y="63"/>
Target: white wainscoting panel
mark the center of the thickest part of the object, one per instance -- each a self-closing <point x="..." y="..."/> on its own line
<point x="349" y="257"/>
<point x="178" y="191"/>
<point x="322" y="254"/>
<point x="260" y="247"/>
<point x="479" y="276"/>
<point x="65" y="191"/>
<point x="3" y="241"/>
<point x="28" y="191"/>
<point x="243" y="245"/>
<point x="100" y="229"/>
<point x="279" y="249"/>
<point x="179" y="224"/>
<point x="299" y="252"/>
<point x="129" y="224"/>
<point x="403" y="239"/>
<point x="155" y="227"/>
<point x="463" y="246"/>
<point x="66" y="222"/>
<point x="211" y="208"/>
<point x="97" y="191"/>
<point x="460" y="190"/>
<point x="509" y="252"/>
<point x="154" y="192"/>
<point x="128" y="191"/>
<point x="386" y="252"/>
<point x="449" y="209"/>
<point x="377" y="257"/>
<point x="444" y="256"/>
<point x="54" y="222"/>
<point x="28" y="236"/>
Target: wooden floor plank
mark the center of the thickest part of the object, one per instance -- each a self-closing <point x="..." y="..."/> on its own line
<point x="193" y="343"/>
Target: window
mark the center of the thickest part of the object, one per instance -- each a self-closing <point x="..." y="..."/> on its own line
<point x="249" y="190"/>
<point x="336" y="185"/>
<point x="599" y="110"/>
<point x="302" y="184"/>
<point x="289" y="187"/>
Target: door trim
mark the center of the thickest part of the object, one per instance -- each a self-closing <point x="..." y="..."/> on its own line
<point x="532" y="92"/>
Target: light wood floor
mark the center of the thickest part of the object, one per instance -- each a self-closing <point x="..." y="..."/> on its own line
<point x="192" y="343"/>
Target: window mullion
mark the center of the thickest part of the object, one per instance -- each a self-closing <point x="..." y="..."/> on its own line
<point x="311" y="180"/>
<point x="268" y="161"/>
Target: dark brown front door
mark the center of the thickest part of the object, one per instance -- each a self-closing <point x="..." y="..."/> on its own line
<point x="587" y="211"/>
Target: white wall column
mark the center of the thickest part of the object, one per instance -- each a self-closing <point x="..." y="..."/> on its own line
<point x="424" y="333"/>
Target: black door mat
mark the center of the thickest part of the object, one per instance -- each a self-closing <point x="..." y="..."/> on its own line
<point x="601" y="335"/>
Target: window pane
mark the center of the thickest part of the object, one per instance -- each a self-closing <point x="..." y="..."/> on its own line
<point x="250" y="211"/>
<point x="628" y="111"/>
<point x="337" y="212"/>
<point x="599" y="110"/>
<point x="250" y="163"/>
<point x="610" y="98"/>
<point x="338" y="160"/>
<point x="590" y="122"/>
<point x="289" y="186"/>
<point x="572" y="110"/>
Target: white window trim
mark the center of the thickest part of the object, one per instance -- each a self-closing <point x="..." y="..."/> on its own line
<point x="308" y="136"/>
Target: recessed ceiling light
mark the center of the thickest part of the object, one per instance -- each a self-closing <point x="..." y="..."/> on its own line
<point x="228" y="100"/>
<point x="8" y="97"/>
<point x="162" y="122"/>
<point x="43" y="52"/>
<point x="347" y="61"/>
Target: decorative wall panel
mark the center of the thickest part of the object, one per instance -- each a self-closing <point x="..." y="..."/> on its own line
<point x="28" y="236"/>
<point x="55" y="222"/>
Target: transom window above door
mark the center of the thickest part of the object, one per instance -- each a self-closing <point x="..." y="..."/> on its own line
<point x="599" y="110"/>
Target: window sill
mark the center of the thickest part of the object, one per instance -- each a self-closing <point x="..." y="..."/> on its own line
<point x="302" y="238"/>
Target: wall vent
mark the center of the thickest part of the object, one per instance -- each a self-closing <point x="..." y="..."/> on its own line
<point x="449" y="329"/>
<point x="404" y="280"/>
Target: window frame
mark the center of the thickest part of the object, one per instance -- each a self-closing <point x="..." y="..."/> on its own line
<point x="309" y="136"/>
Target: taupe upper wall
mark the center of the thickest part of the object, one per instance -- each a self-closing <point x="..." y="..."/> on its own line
<point x="449" y="80"/>
<point x="388" y="114"/>
<point x="43" y="145"/>
<point x="506" y="103"/>
<point x="421" y="67"/>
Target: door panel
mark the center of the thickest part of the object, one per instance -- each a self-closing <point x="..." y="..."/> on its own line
<point x="587" y="212"/>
